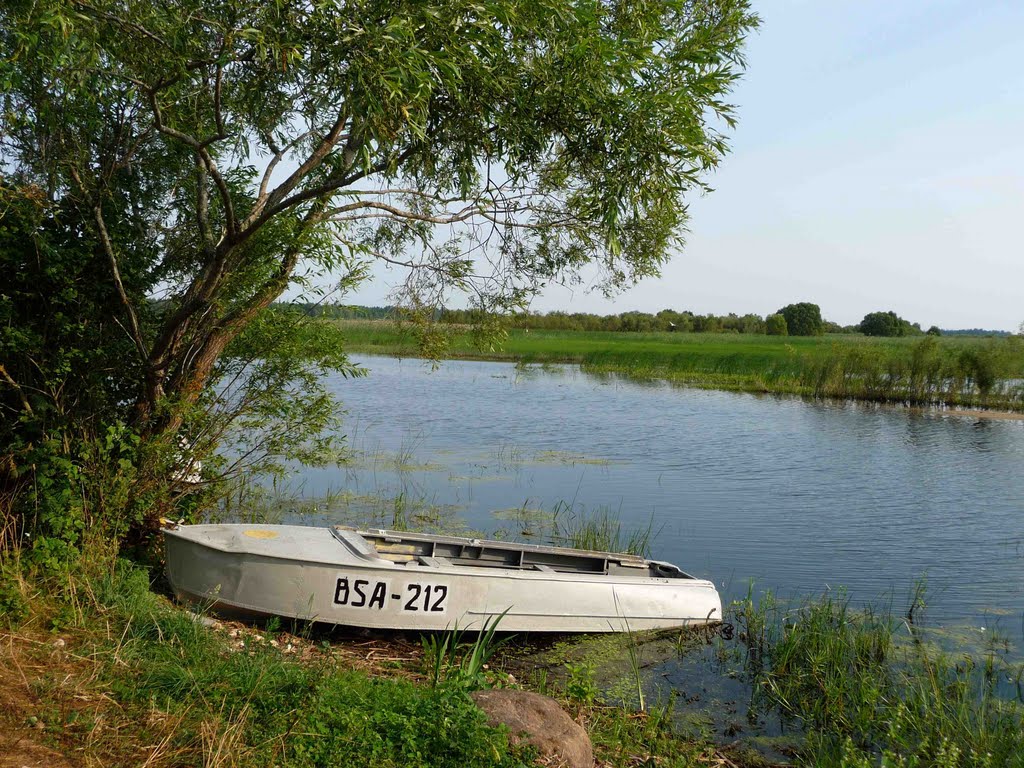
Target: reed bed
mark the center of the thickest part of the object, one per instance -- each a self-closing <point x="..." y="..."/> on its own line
<point x="868" y="690"/>
<point x="599" y="532"/>
<point x="927" y="371"/>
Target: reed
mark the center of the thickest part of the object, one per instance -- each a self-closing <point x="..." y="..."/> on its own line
<point x="947" y="371"/>
<point x="869" y="691"/>
<point x="601" y="532"/>
<point x="442" y="660"/>
<point x="635" y="665"/>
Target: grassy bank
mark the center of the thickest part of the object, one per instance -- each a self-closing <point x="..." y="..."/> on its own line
<point x="959" y="372"/>
<point x="99" y="670"/>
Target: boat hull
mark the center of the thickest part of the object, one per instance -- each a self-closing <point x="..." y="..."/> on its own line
<point x="306" y="574"/>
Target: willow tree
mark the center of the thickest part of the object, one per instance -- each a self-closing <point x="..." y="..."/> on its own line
<point x="209" y="154"/>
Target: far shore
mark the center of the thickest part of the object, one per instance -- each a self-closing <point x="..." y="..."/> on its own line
<point x="926" y="374"/>
<point x="975" y="414"/>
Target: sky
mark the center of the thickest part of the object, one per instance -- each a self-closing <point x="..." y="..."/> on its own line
<point x="878" y="164"/>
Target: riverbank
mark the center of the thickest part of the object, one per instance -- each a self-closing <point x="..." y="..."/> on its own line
<point x="955" y="372"/>
<point x="98" y="669"/>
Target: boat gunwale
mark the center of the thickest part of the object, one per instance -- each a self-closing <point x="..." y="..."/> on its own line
<point x="382" y="564"/>
<point x="495" y="544"/>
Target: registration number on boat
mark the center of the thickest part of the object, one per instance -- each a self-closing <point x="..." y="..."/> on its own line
<point x="371" y="594"/>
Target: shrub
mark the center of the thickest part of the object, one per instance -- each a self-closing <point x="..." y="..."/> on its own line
<point x="775" y="325"/>
<point x="803" y="319"/>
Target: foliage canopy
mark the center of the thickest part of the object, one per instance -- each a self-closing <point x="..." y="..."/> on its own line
<point x="775" y="325"/>
<point x="803" y="319"/>
<point x="887" y="324"/>
<point x="178" y="167"/>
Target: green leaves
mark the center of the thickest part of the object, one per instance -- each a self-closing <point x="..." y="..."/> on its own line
<point x="213" y="155"/>
<point x="578" y="125"/>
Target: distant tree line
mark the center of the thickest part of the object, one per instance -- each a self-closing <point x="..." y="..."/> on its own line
<point x="800" y="319"/>
<point x="974" y="332"/>
<point x="345" y="311"/>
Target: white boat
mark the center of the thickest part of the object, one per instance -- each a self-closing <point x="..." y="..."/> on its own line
<point x="396" y="580"/>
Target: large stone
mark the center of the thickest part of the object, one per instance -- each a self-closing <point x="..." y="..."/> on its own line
<point x="539" y="721"/>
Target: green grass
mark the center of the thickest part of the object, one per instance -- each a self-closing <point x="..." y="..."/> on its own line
<point x="868" y="690"/>
<point x="208" y="704"/>
<point x="950" y="371"/>
<point x="137" y="680"/>
<point x="600" y="531"/>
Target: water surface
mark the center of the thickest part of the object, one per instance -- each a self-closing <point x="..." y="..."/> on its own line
<point x="795" y="496"/>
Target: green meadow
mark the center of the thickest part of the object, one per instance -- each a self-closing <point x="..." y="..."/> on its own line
<point x="958" y="371"/>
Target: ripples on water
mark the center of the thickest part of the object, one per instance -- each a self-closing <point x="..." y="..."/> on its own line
<point x="798" y="496"/>
<point x="794" y="496"/>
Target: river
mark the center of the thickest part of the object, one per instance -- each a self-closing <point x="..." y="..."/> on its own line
<point x="795" y="496"/>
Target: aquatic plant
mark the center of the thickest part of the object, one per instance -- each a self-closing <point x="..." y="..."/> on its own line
<point x="868" y="690"/>
<point x="920" y="370"/>
<point x="602" y="532"/>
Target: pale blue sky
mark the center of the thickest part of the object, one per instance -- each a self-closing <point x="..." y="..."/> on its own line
<point x="878" y="164"/>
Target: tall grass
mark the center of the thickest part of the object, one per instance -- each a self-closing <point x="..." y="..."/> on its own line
<point x="869" y="691"/>
<point x="441" y="654"/>
<point x="601" y="532"/>
<point x="192" y="699"/>
<point x="961" y="371"/>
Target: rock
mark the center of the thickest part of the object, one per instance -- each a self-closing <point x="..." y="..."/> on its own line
<point x="206" y="621"/>
<point x="539" y="721"/>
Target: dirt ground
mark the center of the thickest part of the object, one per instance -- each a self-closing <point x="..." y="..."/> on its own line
<point x="24" y="741"/>
<point x="54" y="712"/>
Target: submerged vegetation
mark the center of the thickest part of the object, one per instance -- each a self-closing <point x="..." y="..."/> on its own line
<point x="923" y="370"/>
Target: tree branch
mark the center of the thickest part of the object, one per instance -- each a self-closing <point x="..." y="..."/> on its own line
<point x="316" y="157"/>
<point x="335" y="182"/>
<point x="204" y="154"/>
<point x="203" y="210"/>
<point x="466" y="213"/>
<point x="108" y="247"/>
<point x="17" y="388"/>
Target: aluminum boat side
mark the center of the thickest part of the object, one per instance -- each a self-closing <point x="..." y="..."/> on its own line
<point x="397" y="580"/>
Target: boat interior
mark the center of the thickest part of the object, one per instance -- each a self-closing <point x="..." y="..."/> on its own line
<point x="401" y="547"/>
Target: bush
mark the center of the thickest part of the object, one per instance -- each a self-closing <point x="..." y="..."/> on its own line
<point x="803" y="319"/>
<point x="775" y="325"/>
<point x="885" y="324"/>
